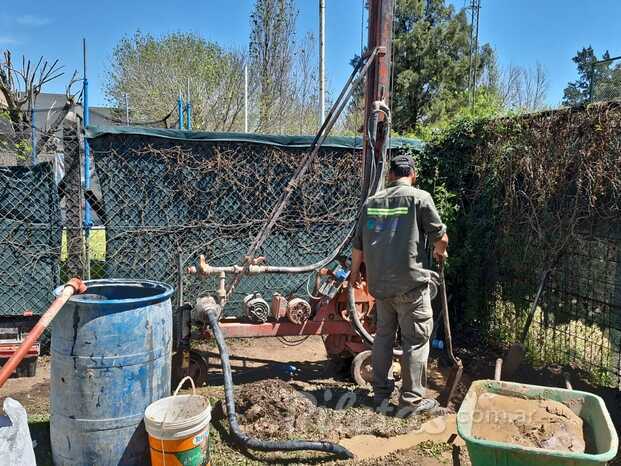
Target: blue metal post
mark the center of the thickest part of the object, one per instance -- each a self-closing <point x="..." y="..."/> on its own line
<point x="33" y="135"/>
<point x="88" y="222"/>
<point x="188" y="114"/>
<point x="180" y="110"/>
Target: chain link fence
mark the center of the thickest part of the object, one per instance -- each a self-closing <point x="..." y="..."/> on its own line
<point x="605" y="80"/>
<point x="32" y="205"/>
<point x="159" y="198"/>
<point x="167" y="200"/>
<point x="577" y="322"/>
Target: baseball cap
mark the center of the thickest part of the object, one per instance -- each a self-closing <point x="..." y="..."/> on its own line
<point x="402" y="161"/>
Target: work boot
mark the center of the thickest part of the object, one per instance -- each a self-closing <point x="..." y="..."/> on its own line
<point x="424" y="406"/>
<point x="382" y="406"/>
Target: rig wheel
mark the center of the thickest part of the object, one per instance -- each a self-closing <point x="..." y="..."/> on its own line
<point x="362" y="370"/>
<point x="199" y="367"/>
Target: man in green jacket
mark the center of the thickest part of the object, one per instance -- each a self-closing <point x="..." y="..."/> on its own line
<point x="390" y="240"/>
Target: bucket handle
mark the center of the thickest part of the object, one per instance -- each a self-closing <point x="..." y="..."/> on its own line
<point x="181" y="385"/>
<point x="186" y="378"/>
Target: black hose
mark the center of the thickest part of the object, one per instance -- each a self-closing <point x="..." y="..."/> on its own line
<point x="245" y="439"/>
<point x="357" y="325"/>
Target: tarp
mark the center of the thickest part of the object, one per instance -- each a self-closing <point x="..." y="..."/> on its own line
<point x="212" y="197"/>
<point x="30" y="238"/>
<point x="335" y="142"/>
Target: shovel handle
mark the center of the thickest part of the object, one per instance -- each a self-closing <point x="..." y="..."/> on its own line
<point x="533" y="307"/>
<point x="567" y="380"/>
<point x="445" y="316"/>
<point x="75" y="285"/>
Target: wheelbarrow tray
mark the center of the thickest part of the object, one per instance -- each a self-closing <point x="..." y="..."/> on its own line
<point x="591" y="408"/>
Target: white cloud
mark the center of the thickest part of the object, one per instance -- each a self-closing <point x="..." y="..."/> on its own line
<point x="6" y="40"/>
<point x="32" y="20"/>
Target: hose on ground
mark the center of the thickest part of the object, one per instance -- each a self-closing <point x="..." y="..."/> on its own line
<point x="245" y="439"/>
<point x="357" y="325"/>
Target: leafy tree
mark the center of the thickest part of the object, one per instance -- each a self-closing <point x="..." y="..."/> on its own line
<point x="597" y="79"/>
<point x="578" y="92"/>
<point x="153" y="71"/>
<point x="283" y="71"/>
<point x="431" y="60"/>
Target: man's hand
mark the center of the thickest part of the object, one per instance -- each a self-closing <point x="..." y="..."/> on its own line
<point x="356" y="261"/>
<point x="439" y="249"/>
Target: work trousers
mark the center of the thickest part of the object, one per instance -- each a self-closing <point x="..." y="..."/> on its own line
<point x="412" y="313"/>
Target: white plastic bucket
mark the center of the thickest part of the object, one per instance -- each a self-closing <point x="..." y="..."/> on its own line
<point x="178" y="428"/>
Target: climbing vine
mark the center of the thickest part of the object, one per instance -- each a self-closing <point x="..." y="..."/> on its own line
<point x="518" y="192"/>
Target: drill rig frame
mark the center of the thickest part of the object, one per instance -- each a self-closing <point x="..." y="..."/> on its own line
<point x="331" y="317"/>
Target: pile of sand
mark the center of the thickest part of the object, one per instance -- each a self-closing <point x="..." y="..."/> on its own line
<point x="530" y="423"/>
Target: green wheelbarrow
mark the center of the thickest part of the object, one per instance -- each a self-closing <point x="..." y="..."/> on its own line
<point x="591" y="408"/>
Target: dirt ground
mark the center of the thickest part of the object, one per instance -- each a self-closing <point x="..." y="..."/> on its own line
<point x="286" y="392"/>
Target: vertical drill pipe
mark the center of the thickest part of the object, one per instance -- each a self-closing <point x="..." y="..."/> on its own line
<point x="378" y="80"/>
<point x="75" y="285"/>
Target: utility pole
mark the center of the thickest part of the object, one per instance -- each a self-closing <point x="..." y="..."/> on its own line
<point x="322" y="60"/>
<point x="245" y="98"/>
<point x="126" y="110"/>
<point x="475" y="7"/>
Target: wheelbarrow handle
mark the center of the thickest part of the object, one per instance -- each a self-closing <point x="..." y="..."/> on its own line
<point x="74" y="286"/>
<point x="498" y="370"/>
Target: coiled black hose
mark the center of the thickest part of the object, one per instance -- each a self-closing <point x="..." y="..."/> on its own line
<point x="358" y="327"/>
<point x="245" y="439"/>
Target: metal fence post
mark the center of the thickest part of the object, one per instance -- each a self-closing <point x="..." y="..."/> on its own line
<point x="87" y="175"/>
<point x="73" y="198"/>
<point x="180" y="111"/>
<point x="188" y="115"/>
<point x="33" y="135"/>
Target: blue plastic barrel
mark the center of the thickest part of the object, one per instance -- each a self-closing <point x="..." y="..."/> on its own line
<point x="111" y="354"/>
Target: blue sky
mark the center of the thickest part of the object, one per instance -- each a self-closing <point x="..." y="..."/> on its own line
<point x="522" y="32"/>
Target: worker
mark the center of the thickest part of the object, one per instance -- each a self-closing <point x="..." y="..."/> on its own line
<point x="390" y="240"/>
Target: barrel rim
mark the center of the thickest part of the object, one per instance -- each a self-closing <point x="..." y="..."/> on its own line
<point x="167" y="292"/>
